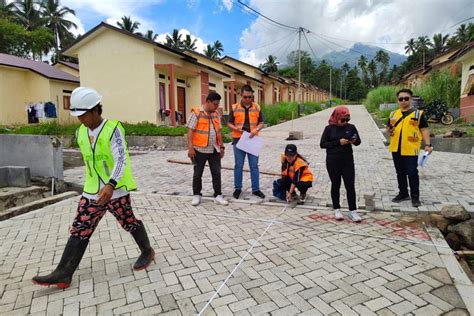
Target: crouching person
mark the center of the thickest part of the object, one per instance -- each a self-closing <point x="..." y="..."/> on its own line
<point x="295" y="174"/>
<point x="108" y="183"/>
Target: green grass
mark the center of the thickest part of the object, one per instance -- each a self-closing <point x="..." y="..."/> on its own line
<point x="380" y="95"/>
<point x="140" y="129"/>
<point x="285" y="111"/>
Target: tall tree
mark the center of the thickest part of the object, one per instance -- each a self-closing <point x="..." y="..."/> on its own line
<point x="188" y="43"/>
<point x="270" y="65"/>
<point x="383" y="58"/>
<point x="27" y="13"/>
<point x="372" y="67"/>
<point x="55" y="18"/>
<point x="214" y="51"/>
<point x="218" y="48"/>
<point x="6" y="10"/>
<point x="439" y="43"/>
<point x="174" y="41"/>
<point x="410" y="48"/>
<point x="150" y="35"/>
<point x="127" y="24"/>
<point x="423" y="43"/>
<point x="363" y="62"/>
<point x="462" y="34"/>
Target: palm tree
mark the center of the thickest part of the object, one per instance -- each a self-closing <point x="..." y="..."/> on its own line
<point x="27" y="14"/>
<point x="209" y="51"/>
<point x="410" y="47"/>
<point x="150" y="35"/>
<point x="174" y="41"/>
<point x="439" y="43"/>
<point x="363" y="62"/>
<point x="422" y="45"/>
<point x="383" y="59"/>
<point x="372" y="67"/>
<point x="462" y="34"/>
<point x="188" y="43"/>
<point x="55" y="17"/>
<point x="270" y="65"/>
<point x="218" y="49"/>
<point x="128" y="25"/>
<point x="214" y="51"/>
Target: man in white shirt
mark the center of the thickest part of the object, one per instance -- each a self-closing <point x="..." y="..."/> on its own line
<point x="108" y="183"/>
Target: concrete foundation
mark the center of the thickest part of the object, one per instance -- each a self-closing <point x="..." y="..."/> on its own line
<point x="43" y="155"/>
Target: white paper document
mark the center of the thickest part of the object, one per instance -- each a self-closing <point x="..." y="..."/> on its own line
<point x="423" y="158"/>
<point x="250" y="145"/>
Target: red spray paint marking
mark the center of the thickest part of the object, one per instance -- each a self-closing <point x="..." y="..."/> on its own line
<point x="397" y="230"/>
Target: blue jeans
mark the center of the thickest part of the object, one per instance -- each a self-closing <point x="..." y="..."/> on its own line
<point x="239" y="157"/>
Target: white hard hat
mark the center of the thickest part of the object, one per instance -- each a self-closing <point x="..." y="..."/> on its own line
<point x="83" y="99"/>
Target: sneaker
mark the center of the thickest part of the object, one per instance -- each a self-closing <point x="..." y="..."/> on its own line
<point x="338" y="215"/>
<point x="259" y="194"/>
<point x="302" y="199"/>
<point x="237" y="193"/>
<point x="196" y="200"/>
<point x="354" y="216"/>
<point x="415" y="202"/>
<point x="220" y="200"/>
<point x="400" y="197"/>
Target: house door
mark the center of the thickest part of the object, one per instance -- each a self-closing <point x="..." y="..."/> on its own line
<point x="182" y="104"/>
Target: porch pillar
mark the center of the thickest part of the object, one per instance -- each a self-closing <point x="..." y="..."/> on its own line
<point x="172" y="91"/>
<point x="232" y="94"/>
<point x="273" y="93"/>
<point x="204" y="86"/>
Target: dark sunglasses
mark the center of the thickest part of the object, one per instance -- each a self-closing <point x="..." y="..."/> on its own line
<point x="247" y="97"/>
<point x="345" y="120"/>
<point x="401" y="99"/>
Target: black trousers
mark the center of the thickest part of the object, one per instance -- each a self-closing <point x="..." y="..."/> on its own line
<point x="342" y="166"/>
<point x="302" y="186"/>
<point x="214" y="160"/>
<point x="407" y="167"/>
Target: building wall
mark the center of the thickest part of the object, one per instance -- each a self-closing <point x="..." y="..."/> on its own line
<point x="57" y="92"/>
<point x="67" y="69"/>
<point x="467" y="101"/>
<point x="122" y="70"/>
<point x="13" y="91"/>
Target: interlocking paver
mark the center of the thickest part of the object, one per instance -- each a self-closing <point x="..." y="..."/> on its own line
<point x="307" y="263"/>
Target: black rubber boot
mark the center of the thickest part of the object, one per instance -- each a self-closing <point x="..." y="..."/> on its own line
<point x="148" y="254"/>
<point x="62" y="275"/>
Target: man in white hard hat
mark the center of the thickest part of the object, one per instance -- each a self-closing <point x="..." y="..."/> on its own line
<point x="108" y="183"/>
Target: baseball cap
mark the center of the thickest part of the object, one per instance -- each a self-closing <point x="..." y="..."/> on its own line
<point x="290" y="150"/>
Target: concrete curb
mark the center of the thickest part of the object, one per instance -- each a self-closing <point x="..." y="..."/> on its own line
<point x="22" y="209"/>
<point x="461" y="281"/>
<point x="382" y="137"/>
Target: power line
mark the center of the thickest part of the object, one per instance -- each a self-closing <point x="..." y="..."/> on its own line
<point x="266" y="17"/>
<point x="267" y="44"/>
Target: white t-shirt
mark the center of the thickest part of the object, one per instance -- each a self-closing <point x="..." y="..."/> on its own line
<point x="117" y="144"/>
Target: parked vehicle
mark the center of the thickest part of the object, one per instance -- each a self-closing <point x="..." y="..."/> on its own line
<point x="437" y="111"/>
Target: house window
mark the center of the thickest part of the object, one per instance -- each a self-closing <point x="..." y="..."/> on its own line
<point x="226" y="101"/>
<point x="212" y="84"/>
<point x="181" y="81"/>
<point x="161" y="76"/>
<point x="66" y="102"/>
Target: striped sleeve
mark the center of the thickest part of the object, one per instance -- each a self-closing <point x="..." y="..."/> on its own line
<point x="118" y="149"/>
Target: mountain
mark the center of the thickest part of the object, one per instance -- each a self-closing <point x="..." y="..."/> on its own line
<point x="351" y="56"/>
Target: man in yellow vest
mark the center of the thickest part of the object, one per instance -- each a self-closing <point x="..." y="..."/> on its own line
<point x="108" y="183"/>
<point x="407" y="127"/>
<point x="245" y="116"/>
<point x="205" y="144"/>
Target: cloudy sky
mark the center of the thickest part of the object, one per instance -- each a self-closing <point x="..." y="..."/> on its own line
<point x="334" y="24"/>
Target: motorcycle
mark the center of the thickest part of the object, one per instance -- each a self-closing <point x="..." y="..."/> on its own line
<point x="437" y="111"/>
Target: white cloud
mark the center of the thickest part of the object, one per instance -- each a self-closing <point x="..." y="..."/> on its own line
<point x="341" y="23"/>
<point x="227" y="4"/>
<point x="200" y="45"/>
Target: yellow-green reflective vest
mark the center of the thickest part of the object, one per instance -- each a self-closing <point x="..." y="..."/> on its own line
<point x="99" y="160"/>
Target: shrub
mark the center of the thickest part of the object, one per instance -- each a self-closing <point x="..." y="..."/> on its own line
<point x="380" y="95"/>
<point x="440" y="85"/>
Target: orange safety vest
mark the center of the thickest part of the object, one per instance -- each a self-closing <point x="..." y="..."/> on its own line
<point x="201" y="132"/>
<point x="239" y="117"/>
<point x="299" y="163"/>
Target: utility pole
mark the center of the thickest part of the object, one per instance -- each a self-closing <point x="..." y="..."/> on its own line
<point x="330" y="86"/>
<point x="300" y="30"/>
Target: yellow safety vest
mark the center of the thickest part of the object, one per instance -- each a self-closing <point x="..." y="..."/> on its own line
<point x="99" y="161"/>
<point x="410" y="131"/>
